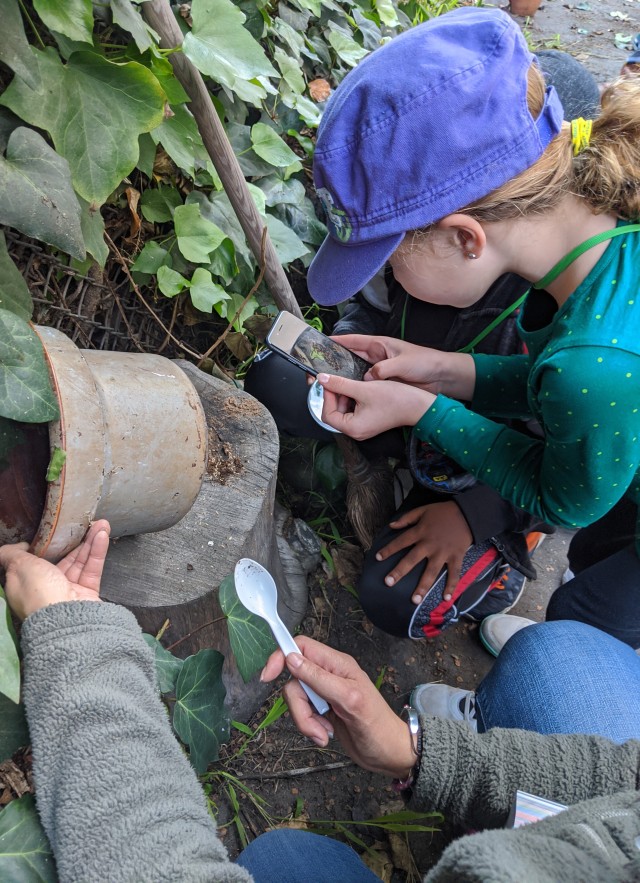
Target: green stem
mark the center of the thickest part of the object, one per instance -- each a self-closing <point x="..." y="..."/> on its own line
<point x="25" y="12"/>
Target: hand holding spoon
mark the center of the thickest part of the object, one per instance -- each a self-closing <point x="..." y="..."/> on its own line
<point x="257" y="591"/>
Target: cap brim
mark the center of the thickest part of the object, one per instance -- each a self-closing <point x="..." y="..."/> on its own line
<point x="339" y="271"/>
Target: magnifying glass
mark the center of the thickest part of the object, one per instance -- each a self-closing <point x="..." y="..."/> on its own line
<point x="315" y="400"/>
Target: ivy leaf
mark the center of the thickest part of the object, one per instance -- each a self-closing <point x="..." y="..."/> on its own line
<point x="25" y="853"/>
<point x="128" y="17"/>
<point x="37" y="196"/>
<point x="14" y="294"/>
<point x="290" y="70"/>
<point x="150" y="259"/>
<point x="92" y="226"/>
<point x="197" y="237"/>
<point x="25" y="388"/>
<point x="94" y="110"/>
<point x="73" y="18"/>
<point x="159" y="203"/>
<point x="218" y="209"/>
<point x="288" y="246"/>
<point x="180" y="137"/>
<point x="13" y="731"/>
<point x="220" y="47"/>
<point x="346" y="47"/>
<point x="199" y="716"/>
<point x="14" y="46"/>
<point x="168" y="666"/>
<point x="387" y="12"/>
<point x="270" y="147"/>
<point x="10" y="670"/>
<point x="223" y="261"/>
<point x="147" y="157"/>
<point x="250" y="636"/>
<point x="205" y="293"/>
<point x="171" y="282"/>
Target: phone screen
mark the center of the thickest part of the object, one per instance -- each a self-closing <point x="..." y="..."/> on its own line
<point x="314" y="351"/>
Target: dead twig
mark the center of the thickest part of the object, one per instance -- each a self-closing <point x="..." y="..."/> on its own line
<point x="302" y="771"/>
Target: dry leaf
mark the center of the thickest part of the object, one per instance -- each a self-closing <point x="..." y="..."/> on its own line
<point x="319" y="90"/>
<point x="133" y="197"/>
<point x="347" y="559"/>
<point x="379" y="863"/>
<point x="239" y="345"/>
<point x="401" y="853"/>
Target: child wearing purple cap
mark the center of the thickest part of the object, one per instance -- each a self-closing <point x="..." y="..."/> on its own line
<point x="443" y="153"/>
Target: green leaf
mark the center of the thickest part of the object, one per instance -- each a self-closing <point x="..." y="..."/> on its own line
<point x="150" y="259"/>
<point x="218" y="209"/>
<point x="8" y="122"/>
<point x="270" y="147"/>
<point x="14" y="46"/>
<point x="94" y="110"/>
<point x="171" y="282"/>
<point x="290" y="70"/>
<point x="10" y="669"/>
<point x="25" y="388"/>
<point x="205" y="293"/>
<point x="288" y="246"/>
<point x="56" y="464"/>
<point x="199" y="716"/>
<point x="387" y="12"/>
<point x="303" y="105"/>
<point x="73" y="18"/>
<point x="223" y="261"/>
<point x="168" y="666"/>
<point x="181" y="139"/>
<point x="328" y="467"/>
<point x="25" y="853"/>
<point x="13" y="732"/>
<point x="162" y="69"/>
<point x="37" y="196"/>
<point x="220" y="47"/>
<point x="197" y="237"/>
<point x="250" y="636"/>
<point x="14" y="294"/>
<point x="128" y="17"/>
<point x="158" y="204"/>
<point x="92" y="226"/>
<point x="147" y="157"/>
<point x="346" y="47"/>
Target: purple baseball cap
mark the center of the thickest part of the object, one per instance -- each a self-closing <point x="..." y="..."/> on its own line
<point x="421" y="128"/>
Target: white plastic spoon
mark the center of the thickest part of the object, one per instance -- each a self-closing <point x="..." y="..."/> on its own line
<point x="257" y="590"/>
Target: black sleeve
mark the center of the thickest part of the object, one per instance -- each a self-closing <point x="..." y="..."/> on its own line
<point x="487" y="514"/>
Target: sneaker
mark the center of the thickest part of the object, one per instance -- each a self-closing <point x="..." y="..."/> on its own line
<point x="503" y="594"/>
<point x="496" y="630"/>
<point x="448" y="703"/>
<point x="534" y="539"/>
<point x="567" y="576"/>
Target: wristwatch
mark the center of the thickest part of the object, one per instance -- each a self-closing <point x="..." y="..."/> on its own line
<point x="410" y="716"/>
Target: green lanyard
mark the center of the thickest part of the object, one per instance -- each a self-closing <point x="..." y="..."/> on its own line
<point x="568" y="259"/>
<point x="485" y="331"/>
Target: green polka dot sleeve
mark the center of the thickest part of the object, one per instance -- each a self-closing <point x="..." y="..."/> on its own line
<point x="588" y="401"/>
<point x="501" y="385"/>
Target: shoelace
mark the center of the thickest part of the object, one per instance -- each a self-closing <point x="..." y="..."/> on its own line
<point x="468" y="707"/>
<point x="501" y="582"/>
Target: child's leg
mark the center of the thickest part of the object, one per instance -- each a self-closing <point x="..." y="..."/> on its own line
<point x="563" y="677"/>
<point x="605" y="595"/>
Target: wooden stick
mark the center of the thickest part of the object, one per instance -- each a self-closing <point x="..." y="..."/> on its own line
<point x="302" y="771"/>
<point x="159" y="16"/>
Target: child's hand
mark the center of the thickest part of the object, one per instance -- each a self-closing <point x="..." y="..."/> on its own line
<point x="438" y="533"/>
<point x="32" y="583"/>
<point x="395" y="359"/>
<point x="362" y="410"/>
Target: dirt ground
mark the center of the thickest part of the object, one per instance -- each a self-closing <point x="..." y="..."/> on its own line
<point x="324" y="785"/>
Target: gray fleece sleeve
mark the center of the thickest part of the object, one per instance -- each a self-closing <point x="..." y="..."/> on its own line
<point x="472" y="778"/>
<point x="117" y="797"/>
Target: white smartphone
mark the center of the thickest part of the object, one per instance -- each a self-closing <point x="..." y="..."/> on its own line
<point x="311" y="350"/>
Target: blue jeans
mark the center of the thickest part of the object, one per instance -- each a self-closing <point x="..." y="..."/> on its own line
<point x="552" y="677"/>
<point x="563" y="677"/>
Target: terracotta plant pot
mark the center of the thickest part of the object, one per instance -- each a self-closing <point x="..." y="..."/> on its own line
<point x="134" y="432"/>
<point x="524" y="7"/>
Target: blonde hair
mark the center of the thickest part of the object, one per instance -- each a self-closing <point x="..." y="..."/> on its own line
<point x="606" y="173"/>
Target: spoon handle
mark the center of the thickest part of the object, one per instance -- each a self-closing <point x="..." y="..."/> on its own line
<point x="288" y="645"/>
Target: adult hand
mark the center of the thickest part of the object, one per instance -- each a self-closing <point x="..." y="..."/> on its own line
<point x="452" y="374"/>
<point x="438" y="533"/>
<point x="368" y="730"/>
<point x="362" y="410"/>
<point x="32" y="583"/>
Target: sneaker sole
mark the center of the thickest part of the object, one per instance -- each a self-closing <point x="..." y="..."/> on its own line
<point x="488" y="647"/>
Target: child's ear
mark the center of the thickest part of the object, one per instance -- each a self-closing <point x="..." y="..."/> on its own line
<point x="467" y="234"/>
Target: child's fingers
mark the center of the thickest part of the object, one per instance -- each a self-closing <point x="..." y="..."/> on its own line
<point x="408" y="518"/>
<point x="397" y="544"/>
<point x="431" y="573"/>
<point x="404" y="566"/>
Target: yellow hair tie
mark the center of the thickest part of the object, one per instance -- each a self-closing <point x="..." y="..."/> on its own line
<point x="580" y="134"/>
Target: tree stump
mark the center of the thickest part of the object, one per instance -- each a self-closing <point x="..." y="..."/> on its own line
<point x="174" y="574"/>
